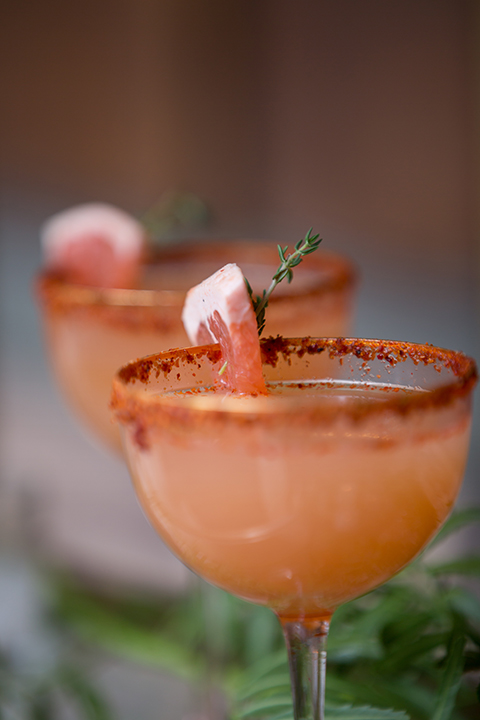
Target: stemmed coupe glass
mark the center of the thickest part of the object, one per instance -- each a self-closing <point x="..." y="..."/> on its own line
<point x="90" y="332"/>
<point x="308" y="497"/>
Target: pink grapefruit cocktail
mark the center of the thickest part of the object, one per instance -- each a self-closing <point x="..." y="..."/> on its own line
<point x="311" y="495"/>
<point x="90" y="332"/>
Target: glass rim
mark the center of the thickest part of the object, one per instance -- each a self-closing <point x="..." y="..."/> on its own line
<point x="338" y="273"/>
<point x="128" y="401"/>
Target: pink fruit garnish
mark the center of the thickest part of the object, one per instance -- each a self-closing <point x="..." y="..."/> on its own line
<point x="220" y="310"/>
<point x="94" y="244"/>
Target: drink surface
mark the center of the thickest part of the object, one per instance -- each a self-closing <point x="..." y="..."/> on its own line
<point x="302" y="519"/>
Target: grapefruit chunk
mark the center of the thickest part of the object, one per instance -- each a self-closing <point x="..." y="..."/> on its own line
<point x="94" y="244"/>
<point x="220" y="310"/>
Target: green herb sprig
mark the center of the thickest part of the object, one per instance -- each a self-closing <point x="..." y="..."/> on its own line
<point x="304" y="247"/>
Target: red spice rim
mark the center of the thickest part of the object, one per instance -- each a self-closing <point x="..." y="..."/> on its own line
<point x="128" y="402"/>
<point x="337" y="273"/>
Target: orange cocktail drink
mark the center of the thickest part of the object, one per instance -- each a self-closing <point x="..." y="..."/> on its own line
<point x="311" y="496"/>
<point x="91" y="332"/>
<point x="306" y="497"/>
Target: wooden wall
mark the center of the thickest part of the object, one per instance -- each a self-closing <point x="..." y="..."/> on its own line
<point x="355" y="115"/>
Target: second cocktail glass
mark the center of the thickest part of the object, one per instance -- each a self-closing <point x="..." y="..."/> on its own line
<point x="91" y="332"/>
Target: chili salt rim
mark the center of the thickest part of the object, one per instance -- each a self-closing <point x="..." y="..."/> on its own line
<point x="132" y="405"/>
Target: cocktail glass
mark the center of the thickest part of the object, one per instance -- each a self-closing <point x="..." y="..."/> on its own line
<point x="311" y="496"/>
<point x="91" y="332"/>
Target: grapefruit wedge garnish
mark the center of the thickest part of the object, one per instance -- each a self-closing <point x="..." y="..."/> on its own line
<point x="219" y="310"/>
<point x="94" y="244"/>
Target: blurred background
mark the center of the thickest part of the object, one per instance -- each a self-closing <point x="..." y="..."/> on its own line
<point x="359" y="119"/>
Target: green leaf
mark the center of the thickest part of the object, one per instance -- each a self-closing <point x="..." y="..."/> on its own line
<point x="100" y="625"/>
<point x="361" y="638"/>
<point x="376" y="691"/>
<point x="85" y="694"/>
<point x="364" y="713"/>
<point x="172" y="214"/>
<point x="265" y="706"/>
<point x="471" y="661"/>
<point x="405" y="655"/>
<point x="451" y="679"/>
<point x="469" y="565"/>
<point x="261" y="635"/>
<point x="267" y="711"/>
<point x="457" y="521"/>
<point x="282" y="715"/>
<point x="271" y="664"/>
<point x="464" y="603"/>
<point x="266" y="685"/>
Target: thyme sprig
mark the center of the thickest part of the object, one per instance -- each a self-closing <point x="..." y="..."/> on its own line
<point x="285" y="270"/>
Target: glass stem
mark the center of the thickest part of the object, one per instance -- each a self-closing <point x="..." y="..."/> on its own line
<point x="306" y="642"/>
